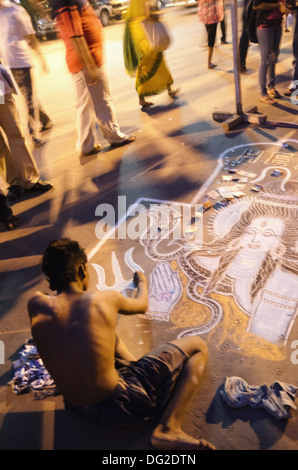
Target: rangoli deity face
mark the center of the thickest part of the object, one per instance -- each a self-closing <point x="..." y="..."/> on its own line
<point x="263" y="235"/>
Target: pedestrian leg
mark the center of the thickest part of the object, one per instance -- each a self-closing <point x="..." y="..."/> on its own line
<point x="85" y="115"/>
<point x="21" y="168"/>
<point x="104" y="110"/>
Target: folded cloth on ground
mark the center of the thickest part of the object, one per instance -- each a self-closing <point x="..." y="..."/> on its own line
<point x="30" y="374"/>
<point x="277" y="399"/>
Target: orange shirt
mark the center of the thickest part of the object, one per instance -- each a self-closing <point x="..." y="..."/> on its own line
<point x="76" y="18"/>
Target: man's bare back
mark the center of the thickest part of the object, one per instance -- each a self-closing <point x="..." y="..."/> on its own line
<point x="75" y="335"/>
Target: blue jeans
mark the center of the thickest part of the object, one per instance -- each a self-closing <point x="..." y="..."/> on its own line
<point x="269" y="41"/>
<point x="295" y="50"/>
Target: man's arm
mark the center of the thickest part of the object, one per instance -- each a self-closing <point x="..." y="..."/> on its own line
<point x="269" y="6"/>
<point x="139" y="303"/>
<point x="85" y="55"/>
<point x="33" y="43"/>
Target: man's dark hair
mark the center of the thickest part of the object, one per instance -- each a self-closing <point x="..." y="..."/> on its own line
<point x="60" y="260"/>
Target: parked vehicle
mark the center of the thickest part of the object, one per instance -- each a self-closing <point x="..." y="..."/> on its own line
<point x="40" y="13"/>
<point x="45" y="26"/>
<point x="109" y="9"/>
<point x="158" y="4"/>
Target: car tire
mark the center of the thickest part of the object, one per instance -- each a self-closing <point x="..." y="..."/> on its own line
<point x="105" y="17"/>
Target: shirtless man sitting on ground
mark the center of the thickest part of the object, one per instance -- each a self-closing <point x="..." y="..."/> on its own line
<point x="75" y="334"/>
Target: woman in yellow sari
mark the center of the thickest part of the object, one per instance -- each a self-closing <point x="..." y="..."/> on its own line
<point x="141" y="60"/>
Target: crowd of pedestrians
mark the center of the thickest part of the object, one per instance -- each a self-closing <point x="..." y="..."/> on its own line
<point x="80" y="29"/>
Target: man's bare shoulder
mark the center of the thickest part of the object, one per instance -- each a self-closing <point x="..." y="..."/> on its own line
<point x="110" y="296"/>
<point x="38" y="300"/>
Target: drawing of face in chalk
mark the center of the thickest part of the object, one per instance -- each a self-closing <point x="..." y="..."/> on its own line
<point x="256" y="262"/>
<point x="263" y="235"/>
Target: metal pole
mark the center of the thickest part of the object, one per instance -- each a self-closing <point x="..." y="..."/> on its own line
<point x="236" y="56"/>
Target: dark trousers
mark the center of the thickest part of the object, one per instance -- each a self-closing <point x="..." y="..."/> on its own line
<point x="223" y="30"/>
<point x="295" y="50"/>
<point x="5" y="211"/>
<point x="211" y="33"/>
<point x="36" y="114"/>
<point x="243" y="48"/>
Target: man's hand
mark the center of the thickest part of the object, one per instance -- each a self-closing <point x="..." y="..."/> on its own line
<point x="139" y="277"/>
<point x="33" y="43"/>
<point x="93" y="75"/>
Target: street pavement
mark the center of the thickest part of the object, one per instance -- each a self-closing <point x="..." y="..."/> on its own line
<point x="231" y="274"/>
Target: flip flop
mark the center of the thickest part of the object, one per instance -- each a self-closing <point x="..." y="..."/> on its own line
<point x="266" y="99"/>
<point x="128" y="140"/>
<point x="146" y="104"/>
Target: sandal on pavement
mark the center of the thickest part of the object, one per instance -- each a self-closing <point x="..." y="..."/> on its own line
<point x="96" y="149"/>
<point x="145" y="104"/>
<point x="289" y="91"/>
<point x="211" y="66"/>
<point x="274" y="93"/>
<point x="128" y="140"/>
<point x="266" y="99"/>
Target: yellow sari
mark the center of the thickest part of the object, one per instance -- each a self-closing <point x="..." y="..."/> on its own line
<point x="148" y="65"/>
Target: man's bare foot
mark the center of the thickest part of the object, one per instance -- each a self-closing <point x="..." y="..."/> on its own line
<point x="178" y="440"/>
<point x="145" y="104"/>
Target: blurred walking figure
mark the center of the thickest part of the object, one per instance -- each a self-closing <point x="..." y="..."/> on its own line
<point x="141" y="59"/>
<point x="17" y="164"/>
<point x="211" y="12"/>
<point x="81" y="32"/>
<point x="293" y="87"/>
<point x="269" y="32"/>
<point x="223" y="27"/>
<point x="17" y="39"/>
<point x="244" y="39"/>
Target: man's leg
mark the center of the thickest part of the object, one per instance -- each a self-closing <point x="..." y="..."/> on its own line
<point x="21" y="168"/>
<point x="104" y="110"/>
<point x="294" y="83"/>
<point x="275" y="46"/>
<point x="169" y="434"/>
<point x="265" y="45"/>
<point x="243" y="48"/>
<point x="295" y="50"/>
<point x="223" y="31"/>
<point x="23" y="79"/>
<point x="85" y="115"/>
<point x="44" y="118"/>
